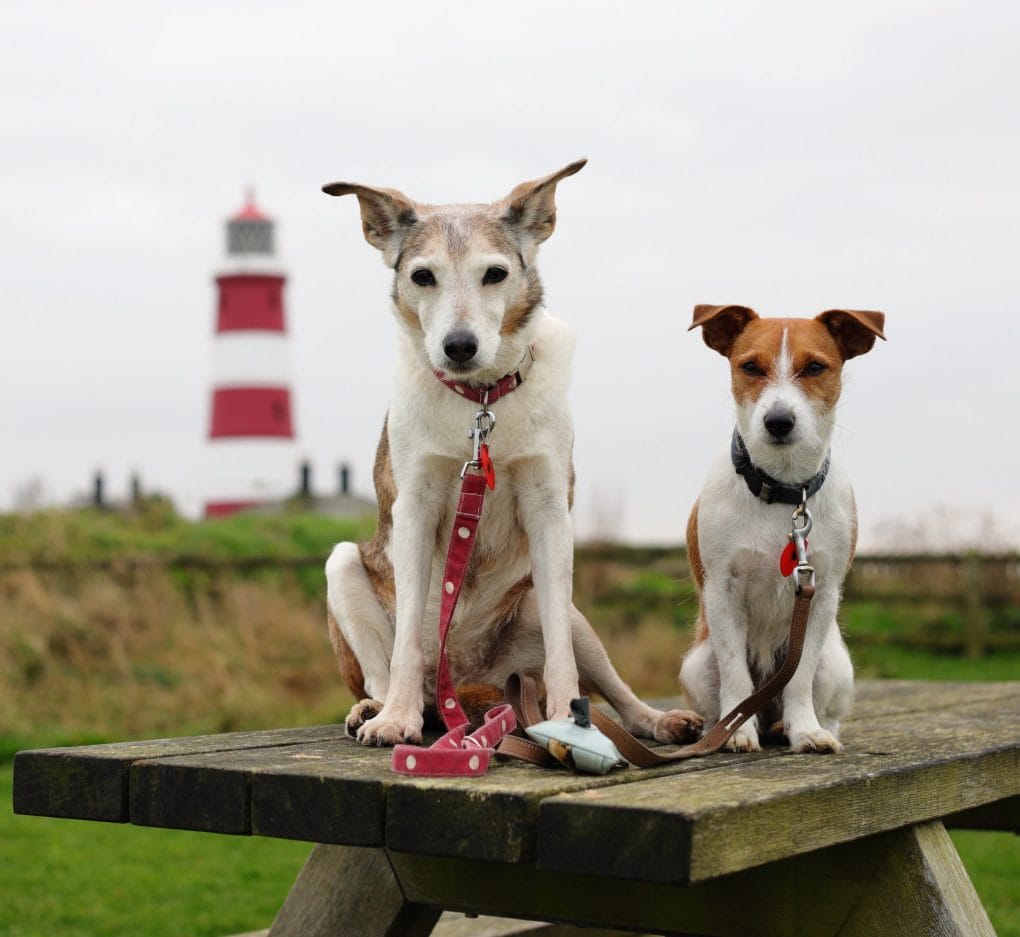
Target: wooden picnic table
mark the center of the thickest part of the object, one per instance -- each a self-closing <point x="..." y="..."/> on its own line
<point x="766" y="844"/>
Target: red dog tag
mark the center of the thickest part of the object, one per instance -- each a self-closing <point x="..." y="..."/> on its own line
<point x="488" y="469"/>
<point x="788" y="558"/>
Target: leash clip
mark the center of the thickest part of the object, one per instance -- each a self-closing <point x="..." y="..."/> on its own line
<point x="485" y="422"/>
<point x="798" y="536"/>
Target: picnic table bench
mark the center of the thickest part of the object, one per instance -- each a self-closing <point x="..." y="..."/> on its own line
<point x="767" y="843"/>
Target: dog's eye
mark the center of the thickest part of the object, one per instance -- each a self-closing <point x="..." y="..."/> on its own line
<point x="494" y="275"/>
<point x="752" y="369"/>
<point x="814" y="369"/>
<point x="423" y="277"/>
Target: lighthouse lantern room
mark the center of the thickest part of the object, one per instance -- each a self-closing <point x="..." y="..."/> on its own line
<point x="251" y="456"/>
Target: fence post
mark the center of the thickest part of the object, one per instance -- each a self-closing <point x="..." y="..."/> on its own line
<point x="975" y="617"/>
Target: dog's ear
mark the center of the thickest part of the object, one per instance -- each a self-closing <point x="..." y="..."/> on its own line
<point x="386" y="215"/>
<point x="721" y="325"/>
<point x="530" y="209"/>
<point x="854" y="331"/>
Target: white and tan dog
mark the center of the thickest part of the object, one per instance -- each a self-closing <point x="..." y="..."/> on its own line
<point x="467" y="298"/>
<point x="786" y="379"/>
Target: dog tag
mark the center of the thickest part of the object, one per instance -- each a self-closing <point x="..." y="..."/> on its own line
<point x="788" y="558"/>
<point x="487" y="467"/>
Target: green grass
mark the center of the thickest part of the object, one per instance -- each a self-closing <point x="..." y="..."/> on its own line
<point x="78" y="879"/>
<point x="993" y="863"/>
<point x="894" y="663"/>
<point x="154" y="531"/>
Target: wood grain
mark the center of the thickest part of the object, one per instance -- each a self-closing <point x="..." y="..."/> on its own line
<point x="90" y="782"/>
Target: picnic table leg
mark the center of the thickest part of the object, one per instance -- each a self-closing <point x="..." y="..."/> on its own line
<point x="350" y="890"/>
<point x="904" y="883"/>
<point x="922" y="888"/>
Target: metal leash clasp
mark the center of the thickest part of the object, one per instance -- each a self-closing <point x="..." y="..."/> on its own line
<point x="485" y="422"/>
<point x="798" y="536"/>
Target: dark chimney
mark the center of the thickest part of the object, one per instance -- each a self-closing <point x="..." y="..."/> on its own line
<point x="306" y="480"/>
<point x="345" y="479"/>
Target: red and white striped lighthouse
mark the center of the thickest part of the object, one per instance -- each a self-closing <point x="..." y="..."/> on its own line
<point x="251" y="456"/>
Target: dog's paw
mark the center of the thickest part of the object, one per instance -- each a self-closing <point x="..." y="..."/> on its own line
<point x="360" y="714"/>
<point x="384" y="730"/>
<point x="745" y="739"/>
<point x="678" y="725"/>
<point x="816" y="741"/>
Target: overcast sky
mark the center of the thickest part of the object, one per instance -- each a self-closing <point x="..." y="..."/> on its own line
<point x="793" y="157"/>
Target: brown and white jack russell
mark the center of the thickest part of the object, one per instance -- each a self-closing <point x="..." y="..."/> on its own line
<point x="468" y="302"/>
<point x="786" y="381"/>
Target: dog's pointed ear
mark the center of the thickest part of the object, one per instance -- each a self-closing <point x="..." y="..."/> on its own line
<point x="530" y="209"/>
<point x="386" y="215"/>
<point x="721" y="325"/>
<point x="854" y="331"/>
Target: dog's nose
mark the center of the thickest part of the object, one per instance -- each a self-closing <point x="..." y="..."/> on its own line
<point x="460" y="346"/>
<point x="779" y="422"/>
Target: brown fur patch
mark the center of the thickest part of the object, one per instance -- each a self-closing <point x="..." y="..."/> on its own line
<point x="698" y="572"/>
<point x="477" y="698"/>
<point x="384" y="212"/>
<point x="405" y="313"/>
<point x="373" y="553"/>
<point x="694" y="548"/>
<point x="854" y="330"/>
<point x="348" y="664"/>
<point x="506" y="610"/>
<point x="807" y="340"/>
<point x="531" y="206"/>
<point x="519" y="314"/>
<point x="720" y="325"/>
<point x="759" y="344"/>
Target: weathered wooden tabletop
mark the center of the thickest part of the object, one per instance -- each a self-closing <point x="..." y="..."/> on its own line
<point x="915" y="752"/>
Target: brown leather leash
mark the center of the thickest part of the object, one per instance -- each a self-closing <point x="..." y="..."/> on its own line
<point x="522" y="693"/>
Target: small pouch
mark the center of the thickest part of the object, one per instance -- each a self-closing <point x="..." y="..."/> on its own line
<point x="576" y="743"/>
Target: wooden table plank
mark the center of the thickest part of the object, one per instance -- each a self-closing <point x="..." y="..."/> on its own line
<point x="90" y="782"/>
<point x="216" y="792"/>
<point x="899" y="697"/>
<point x="315" y="785"/>
<point x="339" y="792"/>
<point x="692" y="828"/>
<point x="495" y="817"/>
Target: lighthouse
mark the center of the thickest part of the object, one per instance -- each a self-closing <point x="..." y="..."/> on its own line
<point x="251" y="455"/>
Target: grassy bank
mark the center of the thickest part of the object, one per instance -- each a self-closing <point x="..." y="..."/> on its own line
<point x="100" y="638"/>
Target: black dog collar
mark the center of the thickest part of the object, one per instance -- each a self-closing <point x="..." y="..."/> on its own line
<point x="764" y="486"/>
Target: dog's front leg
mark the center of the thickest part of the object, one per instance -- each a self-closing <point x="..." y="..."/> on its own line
<point x="727" y="627"/>
<point x="540" y="486"/>
<point x="415" y="521"/>
<point x="800" y="721"/>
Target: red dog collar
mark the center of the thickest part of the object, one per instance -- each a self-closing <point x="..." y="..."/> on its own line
<point x="501" y="388"/>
